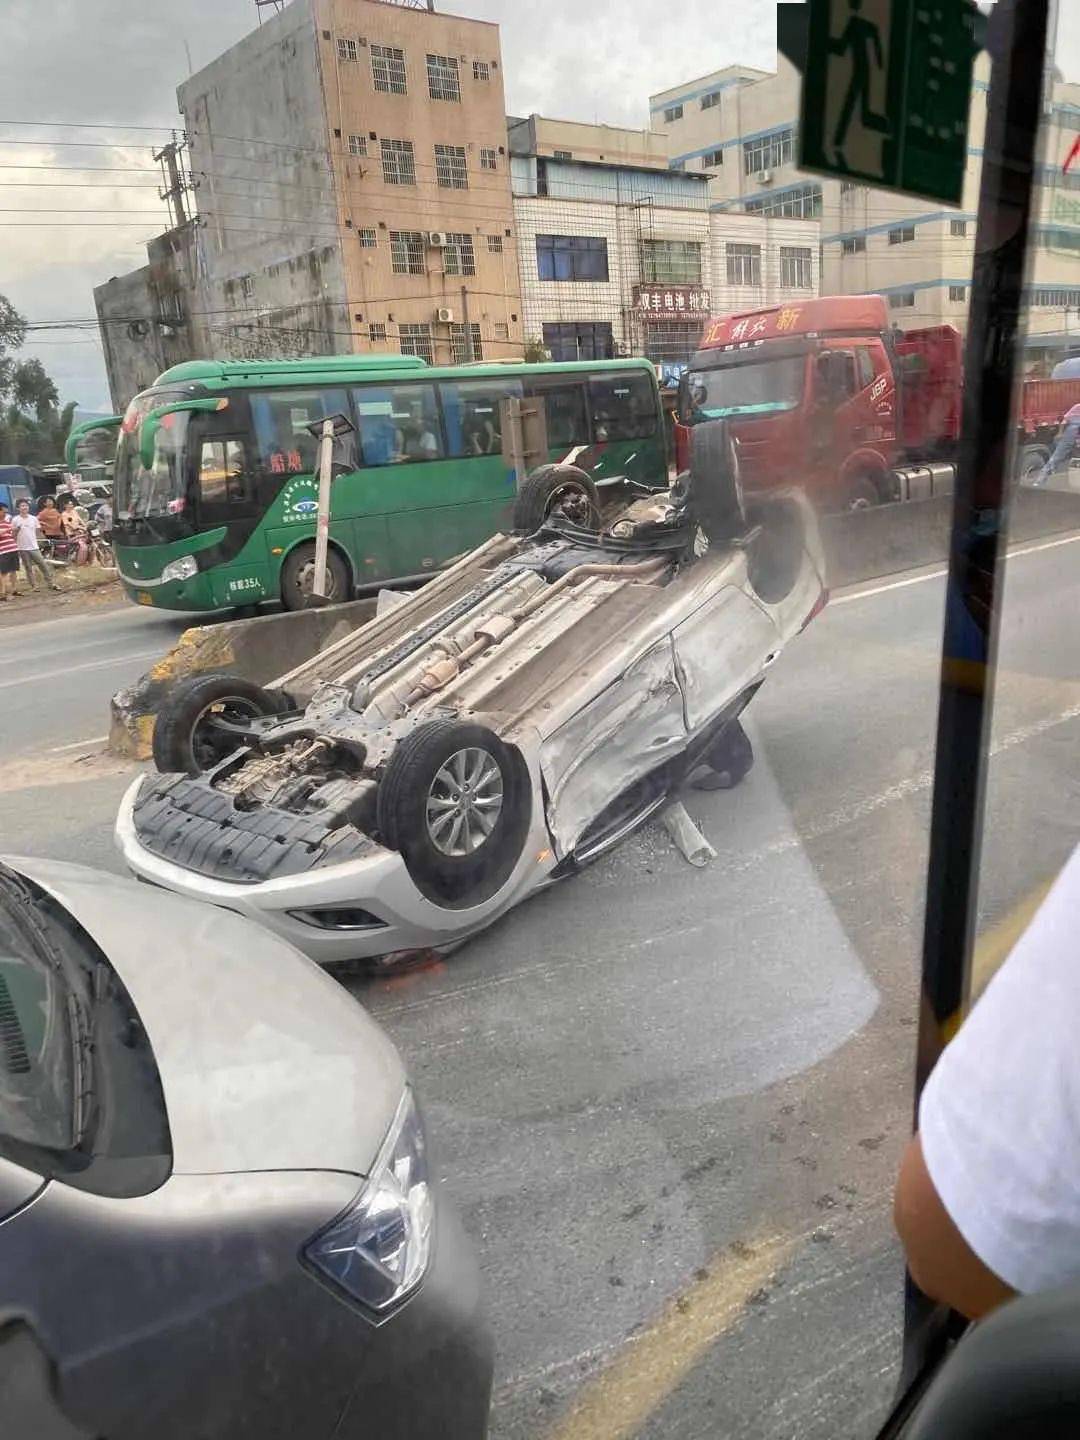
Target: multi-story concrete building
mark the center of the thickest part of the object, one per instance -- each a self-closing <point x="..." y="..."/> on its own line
<point x="621" y="255"/>
<point x="350" y="175"/>
<point x="739" y="128"/>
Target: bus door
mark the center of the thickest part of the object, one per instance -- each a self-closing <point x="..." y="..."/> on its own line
<point x="627" y="428"/>
<point x="223" y="490"/>
<point x="438" y="485"/>
<point x="288" y="465"/>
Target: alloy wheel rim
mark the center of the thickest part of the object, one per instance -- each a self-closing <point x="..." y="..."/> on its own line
<point x="464" y="802"/>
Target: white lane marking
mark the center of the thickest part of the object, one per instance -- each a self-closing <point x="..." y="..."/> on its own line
<point x="943" y="570"/>
<point x="78" y="745"/>
<point x="28" y="680"/>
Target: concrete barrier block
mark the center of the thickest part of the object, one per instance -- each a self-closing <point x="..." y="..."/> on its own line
<point x="259" y="649"/>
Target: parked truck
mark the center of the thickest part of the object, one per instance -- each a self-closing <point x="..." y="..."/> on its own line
<point x="865" y="413"/>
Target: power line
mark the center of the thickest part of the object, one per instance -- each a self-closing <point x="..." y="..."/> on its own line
<point x="84" y="125"/>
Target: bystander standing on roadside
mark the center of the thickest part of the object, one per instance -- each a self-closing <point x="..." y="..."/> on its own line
<point x="26" y="529"/>
<point x="52" y="527"/>
<point x="75" y="532"/>
<point x="9" y="556"/>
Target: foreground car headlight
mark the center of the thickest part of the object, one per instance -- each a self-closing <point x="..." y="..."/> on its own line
<point x="378" y="1250"/>
<point x="182" y="569"/>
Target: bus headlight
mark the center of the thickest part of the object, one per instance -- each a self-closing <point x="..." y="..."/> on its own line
<point x="378" y="1250"/>
<point x="182" y="569"/>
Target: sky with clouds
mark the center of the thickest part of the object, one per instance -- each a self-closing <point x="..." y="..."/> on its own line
<point x="111" y="62"/>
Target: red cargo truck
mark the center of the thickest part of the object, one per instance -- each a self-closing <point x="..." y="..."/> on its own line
<point x="826" y="392"/>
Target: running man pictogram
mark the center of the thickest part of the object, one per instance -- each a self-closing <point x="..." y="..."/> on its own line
<point x="860" y="37"/>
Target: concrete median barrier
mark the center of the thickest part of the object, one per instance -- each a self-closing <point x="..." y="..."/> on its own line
<point x="868" y="544"/>
<point x="259" y="649"/>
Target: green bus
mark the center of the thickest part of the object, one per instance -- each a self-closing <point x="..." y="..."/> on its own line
<point x="215" y="488"/>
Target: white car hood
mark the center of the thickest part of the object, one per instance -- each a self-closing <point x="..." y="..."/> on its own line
<point x="266" y="1063"/>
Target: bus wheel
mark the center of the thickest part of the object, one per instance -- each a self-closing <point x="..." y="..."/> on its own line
<point x="454" y="800"/>
<point x="298" y="577"/>
<point x="557" y="490"/>
<point x="204" y="718"/>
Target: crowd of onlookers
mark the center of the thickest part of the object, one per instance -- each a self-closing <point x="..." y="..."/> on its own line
<point x="28" y="540"/>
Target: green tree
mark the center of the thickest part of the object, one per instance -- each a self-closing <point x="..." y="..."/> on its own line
<point x="33" y="428"/>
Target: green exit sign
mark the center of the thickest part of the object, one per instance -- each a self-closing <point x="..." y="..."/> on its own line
<point x="886" y="93"/>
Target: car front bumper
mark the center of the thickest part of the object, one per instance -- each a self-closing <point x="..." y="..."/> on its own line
<point x="378" y="883"/>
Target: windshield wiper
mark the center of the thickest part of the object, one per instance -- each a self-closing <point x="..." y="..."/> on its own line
<point x="82" y="1085"/>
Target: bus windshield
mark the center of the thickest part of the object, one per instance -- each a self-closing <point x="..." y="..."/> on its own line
<point x="746" y="387"/>
<point x="146" y="494"/>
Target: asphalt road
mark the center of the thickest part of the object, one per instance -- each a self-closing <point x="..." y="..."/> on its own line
<point x="669" y="1102"/>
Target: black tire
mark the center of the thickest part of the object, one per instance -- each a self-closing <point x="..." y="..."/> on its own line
<point x="861" y="494"/>
<point x="187" y="739"/>
<point x="297" y="574"/>
<point x="716" y="498"/>
<point x="729" y="761"/>
<point x="1029" y="462"/>
<point x="557" y="490"/>
<point x="775" y="555"/>
<point x="412" y="785"/>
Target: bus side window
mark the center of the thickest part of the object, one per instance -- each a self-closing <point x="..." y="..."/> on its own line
<point x="623" y="406"/>
<point x="398" y="424"/>
<point x="471" y="411"/>
<point x="567" y="420"/>
<point x="281" y="417"/>
<point x="224" y="478"/>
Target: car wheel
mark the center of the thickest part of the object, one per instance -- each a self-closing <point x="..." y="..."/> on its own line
<point x="729" y="761"/>
<point x="774" y="558"/>
<point x="557" y="491"/>
<point x="298" y="577"/>
<point x="204" y="718"/>
<point x="455" y="801"/>
<point x="716" y="498"/>
<point x="1030" y="464"/>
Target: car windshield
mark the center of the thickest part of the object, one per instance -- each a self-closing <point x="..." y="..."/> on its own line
<point x="748" y="386"/>
<point x="161" y="490"/>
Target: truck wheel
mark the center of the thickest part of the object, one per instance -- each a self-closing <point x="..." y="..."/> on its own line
<point x="203" y="719"/>
<point x="862" y="494"/>
<point x="1031" y="460"/>
<point x="298" y="577"/>
<point x="455" y="801"/>
<point x="716" y="499"/>
<point x="557" y="490"/>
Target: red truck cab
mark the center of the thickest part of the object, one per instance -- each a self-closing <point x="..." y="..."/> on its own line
<point x="823" y="393"/>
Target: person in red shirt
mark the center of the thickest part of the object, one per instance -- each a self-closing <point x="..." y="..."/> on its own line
<point x="49" y="518"/>
<point x="9" y="556"/>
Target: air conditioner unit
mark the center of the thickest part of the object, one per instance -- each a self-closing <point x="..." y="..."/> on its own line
<point x="764" y="177"/>
<point x="439" y="239"/>
<point x="444" y="315"/>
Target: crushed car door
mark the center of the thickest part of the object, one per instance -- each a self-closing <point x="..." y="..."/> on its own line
<point x="630" y="729"/>
<point x="724" y="646"/>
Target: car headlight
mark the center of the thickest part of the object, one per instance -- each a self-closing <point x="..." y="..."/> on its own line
<point x="378" y="1250"/>
<point x="182" y="569"/>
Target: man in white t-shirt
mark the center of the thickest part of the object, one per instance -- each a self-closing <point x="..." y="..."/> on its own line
<point x="27" y="528"/>
<point x="988" y="1197"/>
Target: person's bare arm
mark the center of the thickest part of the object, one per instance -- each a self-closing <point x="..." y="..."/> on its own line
<point x="942" y="1263"/>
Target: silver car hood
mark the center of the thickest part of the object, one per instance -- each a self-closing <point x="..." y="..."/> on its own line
<point x="266" y="1063"/>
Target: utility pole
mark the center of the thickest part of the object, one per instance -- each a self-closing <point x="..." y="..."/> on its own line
<point x="172" y="175"/>
<point x="465" y="320"/>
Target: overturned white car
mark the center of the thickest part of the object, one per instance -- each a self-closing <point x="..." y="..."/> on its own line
<point x="519" y="715"/>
